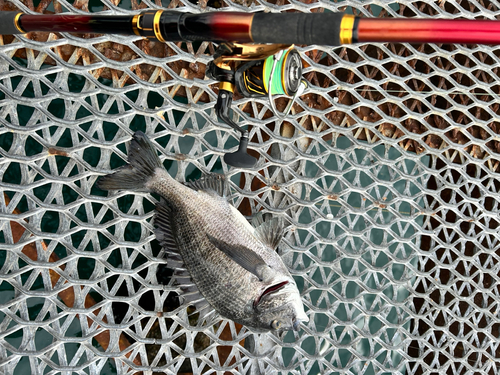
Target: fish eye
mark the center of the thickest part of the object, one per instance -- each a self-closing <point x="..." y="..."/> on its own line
<point x="276" y="324"/>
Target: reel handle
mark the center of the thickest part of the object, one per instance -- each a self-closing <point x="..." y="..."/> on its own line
<point x="225" y="76"/>
<point x="239" y="158"/>
<point x="222" y="108"/>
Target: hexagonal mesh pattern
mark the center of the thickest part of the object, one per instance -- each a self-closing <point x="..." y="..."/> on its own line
<point x="387" y="169"/>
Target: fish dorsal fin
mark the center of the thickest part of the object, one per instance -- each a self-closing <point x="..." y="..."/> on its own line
<point x="210" y="183"/>
<point x="245" y="257"/>
<point x="269" y="231"/>
<point x="189" y="292"/>
<point x="163" y="232"/>
<point x="163" y="229"/>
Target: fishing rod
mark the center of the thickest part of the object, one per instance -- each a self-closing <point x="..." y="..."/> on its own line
<point x="256" y="54"/>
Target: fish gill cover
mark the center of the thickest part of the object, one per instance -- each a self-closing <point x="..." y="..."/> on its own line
<point x="386" y="168"/>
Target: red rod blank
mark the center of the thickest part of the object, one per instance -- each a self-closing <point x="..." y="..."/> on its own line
<point x="387" y="30"/>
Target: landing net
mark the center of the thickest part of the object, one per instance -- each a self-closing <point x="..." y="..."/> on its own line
<point x="387" y="168"/>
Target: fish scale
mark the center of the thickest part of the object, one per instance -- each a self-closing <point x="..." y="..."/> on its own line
<point x="223" y="262"/>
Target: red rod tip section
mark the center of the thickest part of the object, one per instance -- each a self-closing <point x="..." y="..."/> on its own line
<point x="414" y="30"/>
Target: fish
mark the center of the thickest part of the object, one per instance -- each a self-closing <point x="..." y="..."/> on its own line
<point x="222" y="262"/>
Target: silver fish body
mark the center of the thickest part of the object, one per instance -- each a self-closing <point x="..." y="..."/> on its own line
<point x="232" y="264"/>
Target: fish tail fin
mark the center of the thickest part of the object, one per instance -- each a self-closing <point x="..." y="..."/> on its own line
<point x="142" y="163"/>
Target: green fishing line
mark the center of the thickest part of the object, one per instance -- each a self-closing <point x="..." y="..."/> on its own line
<point x="277" y="82"/>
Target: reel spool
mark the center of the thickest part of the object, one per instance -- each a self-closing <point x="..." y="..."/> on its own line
<point x="261" y="74"/>
<point x="282" y="76"/>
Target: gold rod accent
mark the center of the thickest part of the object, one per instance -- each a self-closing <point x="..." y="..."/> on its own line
<point x="228" y="86"/>
<point x="17" y="24"/>
<point x="135" y="24"/>
<point x="156" y="26"/>
<point x="346" y="28"/>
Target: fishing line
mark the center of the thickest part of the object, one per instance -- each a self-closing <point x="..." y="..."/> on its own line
<point x="419" y="92"/>
<point x="272" y="79"/>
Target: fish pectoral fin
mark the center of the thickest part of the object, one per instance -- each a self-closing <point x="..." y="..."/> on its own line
<point x="245" y="257"/>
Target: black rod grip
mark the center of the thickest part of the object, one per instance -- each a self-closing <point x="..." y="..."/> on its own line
<point x="297" y="28"/>
<point x="8" y="23"/>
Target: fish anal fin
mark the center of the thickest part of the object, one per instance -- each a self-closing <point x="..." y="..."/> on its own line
<point x="269" y="231"/>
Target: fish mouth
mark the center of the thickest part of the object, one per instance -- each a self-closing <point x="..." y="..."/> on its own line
<point x="272" y="289"/>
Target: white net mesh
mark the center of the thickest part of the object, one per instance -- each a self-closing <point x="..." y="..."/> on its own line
<point x="387" y="167"/>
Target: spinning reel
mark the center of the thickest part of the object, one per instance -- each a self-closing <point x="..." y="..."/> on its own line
<point x="256" y="71"/>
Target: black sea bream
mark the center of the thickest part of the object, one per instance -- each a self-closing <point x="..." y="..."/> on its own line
<point x="232" y="264"/>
